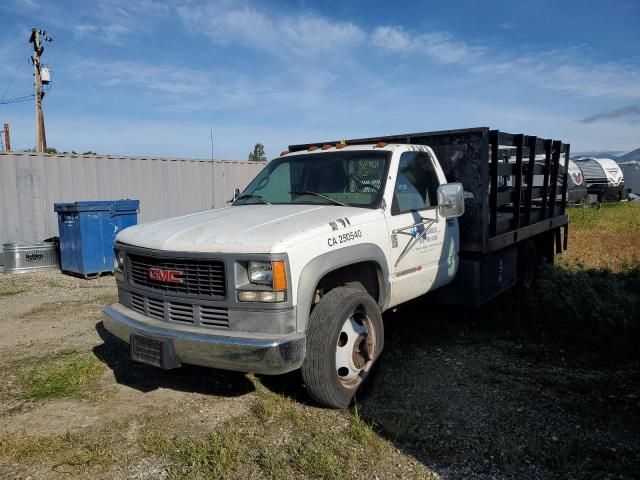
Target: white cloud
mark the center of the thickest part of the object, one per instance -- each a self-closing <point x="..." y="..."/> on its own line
<point x="168" y="80"/>
<point x="596" y="80"/>
<point x="568" y="70"/>
<point x="437" y="46"/>
<point x="183" y="89"/>
<point x="112" y="34"/>
<point x="303" y="35"/>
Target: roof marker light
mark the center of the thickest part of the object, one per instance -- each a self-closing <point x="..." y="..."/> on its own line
<point x="284" y="152"/>
<point x="313" y="147"/>
<point x="380" y="145"/>
<point x="327" y="146"/>
<point x="342" y="144"/>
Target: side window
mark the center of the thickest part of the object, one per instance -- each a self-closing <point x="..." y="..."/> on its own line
<point x="416" y="183"/>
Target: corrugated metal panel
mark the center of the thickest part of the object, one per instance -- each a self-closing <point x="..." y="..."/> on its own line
<point x="631" y="171"/>
<point x="31" y="183"/>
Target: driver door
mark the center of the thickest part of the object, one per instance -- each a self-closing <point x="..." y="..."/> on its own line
<point x="416" y="229"/>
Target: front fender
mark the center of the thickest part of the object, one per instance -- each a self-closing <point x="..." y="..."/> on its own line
<point x="317" y="268"/>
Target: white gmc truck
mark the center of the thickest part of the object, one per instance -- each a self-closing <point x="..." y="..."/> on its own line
<point x="296" y="273"/>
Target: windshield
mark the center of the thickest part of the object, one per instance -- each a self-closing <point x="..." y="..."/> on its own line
<point x="355" y="178"/>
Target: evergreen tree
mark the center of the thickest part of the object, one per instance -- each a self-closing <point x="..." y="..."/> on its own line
<point x="258" y="154"/>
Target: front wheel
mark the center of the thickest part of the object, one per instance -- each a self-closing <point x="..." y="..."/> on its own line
<point x="344" y="339"/>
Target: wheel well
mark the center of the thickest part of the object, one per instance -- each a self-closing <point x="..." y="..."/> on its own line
<point x="363" y="276"/>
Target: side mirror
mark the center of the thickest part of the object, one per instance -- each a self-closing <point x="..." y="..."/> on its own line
<point x="236" y="194"/>
<point x="451" y="200"/>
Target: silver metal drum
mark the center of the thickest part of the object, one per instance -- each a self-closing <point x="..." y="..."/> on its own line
<point x="30" y="257"/>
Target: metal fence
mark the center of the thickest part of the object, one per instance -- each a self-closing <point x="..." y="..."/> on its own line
<point x="30" y="183"/>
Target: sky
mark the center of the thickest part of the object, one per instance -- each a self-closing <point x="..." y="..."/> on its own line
<point x="152" y="77"/>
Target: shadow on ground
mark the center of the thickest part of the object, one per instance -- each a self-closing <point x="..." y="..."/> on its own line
<point x="470" y="399"/>
<point x="115" y="354"/>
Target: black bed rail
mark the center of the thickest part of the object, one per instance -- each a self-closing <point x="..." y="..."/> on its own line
<point x="517" y="194"/>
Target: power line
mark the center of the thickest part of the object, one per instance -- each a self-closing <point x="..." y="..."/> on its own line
<point x="12" y="79"/>
<point x="25" y="98"/>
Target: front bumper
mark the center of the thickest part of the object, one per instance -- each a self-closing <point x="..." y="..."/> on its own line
<point x="265" y="354"/>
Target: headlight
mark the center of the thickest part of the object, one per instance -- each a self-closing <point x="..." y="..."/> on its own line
<point x="271" y="274"/>
<point x="261" y="273"/>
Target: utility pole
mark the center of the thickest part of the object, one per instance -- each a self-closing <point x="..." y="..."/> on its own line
<point x="7" y="138"/>
<point x="37" y="36"/>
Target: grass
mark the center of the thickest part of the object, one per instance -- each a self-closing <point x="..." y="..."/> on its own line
<point x="219" y="455"/>
<point x="590" y="300"/>
<point x="616" y="217"/>
<point x="69" y="375"/>
<point x="10" y="285"/>
<point x="70" y="307"/>
<point x="279" y="439"/>
<point x="62" y="453"/>
<point x="604" y="238"/>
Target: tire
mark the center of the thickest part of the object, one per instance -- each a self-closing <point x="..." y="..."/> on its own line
<point x="345" y="337"/>
<point x="527" y="267"/>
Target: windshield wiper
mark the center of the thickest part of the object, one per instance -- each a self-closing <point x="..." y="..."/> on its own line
<point x="257" y="197"/>
<point x="309" y="192"/>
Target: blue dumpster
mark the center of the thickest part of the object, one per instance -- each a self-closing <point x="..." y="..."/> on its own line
<point x="87" y="233"/>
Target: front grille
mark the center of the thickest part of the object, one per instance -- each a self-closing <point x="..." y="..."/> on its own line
<point x="180" y="312"/>
<point x="199" y="277"/>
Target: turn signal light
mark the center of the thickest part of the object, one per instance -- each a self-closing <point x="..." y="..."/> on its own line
<point x="279" y="275"/>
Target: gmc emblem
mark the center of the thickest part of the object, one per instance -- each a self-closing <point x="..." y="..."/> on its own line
<point x="166" y="276"/>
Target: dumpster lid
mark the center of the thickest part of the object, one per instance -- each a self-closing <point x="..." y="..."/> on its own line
<point x="98" y="206"/>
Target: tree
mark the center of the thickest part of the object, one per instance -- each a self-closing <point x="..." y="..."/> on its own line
<point x="258" y="154"/>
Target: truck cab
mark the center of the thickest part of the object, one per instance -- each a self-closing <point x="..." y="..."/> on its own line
<point x="234" y="288"/>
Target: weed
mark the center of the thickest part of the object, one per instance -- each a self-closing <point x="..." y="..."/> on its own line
<point x="361" y="431"/>
<point x="280" y="439"/>
<point x="613" y="217"/>
<point x="8" y="292"/>
<point x="217" y="456"/>
<point x="9" y="285"/>
<point x="68" y="376"/>
<point x="590" y="300"/>
<point x="67" y="450"/>
<point x="608" y="237"/>
<point x="323" y="455"/>
<point x="55" y="283"/>
<point x="270" y="406"/>
<point x="274" y="463"/>
<point x="72" y="307"/>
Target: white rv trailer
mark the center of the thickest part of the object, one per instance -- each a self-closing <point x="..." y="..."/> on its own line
<point x="604" y="178"/>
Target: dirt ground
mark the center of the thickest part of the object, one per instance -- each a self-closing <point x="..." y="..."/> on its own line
<point x="448" y="401"/>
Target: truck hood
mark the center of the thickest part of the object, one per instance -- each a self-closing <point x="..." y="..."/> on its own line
<point x="239" y="229"/>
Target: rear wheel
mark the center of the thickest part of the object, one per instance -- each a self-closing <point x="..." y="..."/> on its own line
<point x="344" y="339"/>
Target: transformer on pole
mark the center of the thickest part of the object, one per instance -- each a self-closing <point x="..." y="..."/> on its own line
<point x="42" y="76"/>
